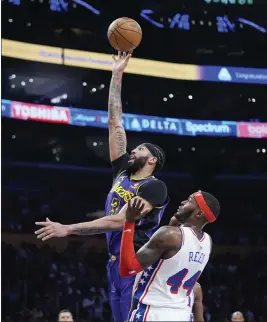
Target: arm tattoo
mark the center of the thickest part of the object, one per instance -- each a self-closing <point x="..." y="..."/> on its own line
<point x="120" y="139"/>
<point x="114" y="100"/>
<point x="90" y="231"/>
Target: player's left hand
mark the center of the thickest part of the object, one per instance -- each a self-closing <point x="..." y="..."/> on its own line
<point x="136" y="209"/>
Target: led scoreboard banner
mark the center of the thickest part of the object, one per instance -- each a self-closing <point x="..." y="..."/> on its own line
<point x="132" y="122"/>
<point x="230" y="2"/>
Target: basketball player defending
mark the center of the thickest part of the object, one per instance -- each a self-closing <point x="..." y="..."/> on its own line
<point x="132" y="176"/>
<point x="171" y="262"/>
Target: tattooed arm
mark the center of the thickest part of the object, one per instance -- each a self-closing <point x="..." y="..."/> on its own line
<point x="102" y="225"/>
<point x="117" y="136"/>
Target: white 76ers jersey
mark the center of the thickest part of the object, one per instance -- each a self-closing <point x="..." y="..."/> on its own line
<point x="169" y="282"/>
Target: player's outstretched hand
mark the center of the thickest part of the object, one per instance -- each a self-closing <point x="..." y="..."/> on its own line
<point x="136" y="209"/>
<point x="50" y="229"/>
<point x="121" y="61"/>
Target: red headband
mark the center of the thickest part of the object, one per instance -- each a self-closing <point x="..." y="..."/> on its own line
<point x="204" y="207"/>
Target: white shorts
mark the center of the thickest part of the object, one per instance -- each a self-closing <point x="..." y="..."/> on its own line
<point x="152" y="313"/>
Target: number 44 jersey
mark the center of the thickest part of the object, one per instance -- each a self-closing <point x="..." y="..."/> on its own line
<point x="169" y="283"/>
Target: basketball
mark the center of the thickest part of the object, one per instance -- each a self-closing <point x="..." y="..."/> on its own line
<point x="124" y="34"/>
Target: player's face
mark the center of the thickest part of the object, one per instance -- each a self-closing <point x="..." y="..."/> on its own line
<point x="65" y="316"/>
<point x="186" y="209"/>
<point x="139" y="157"/>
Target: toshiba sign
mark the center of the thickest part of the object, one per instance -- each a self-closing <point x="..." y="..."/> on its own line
<point x="41" y="113"/>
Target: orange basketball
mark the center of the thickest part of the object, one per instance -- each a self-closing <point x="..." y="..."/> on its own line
<point x="124" y="34"/>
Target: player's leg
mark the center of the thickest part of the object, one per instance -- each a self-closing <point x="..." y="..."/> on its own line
<point x="114" y="291"/>
<point x="127" y="285"/>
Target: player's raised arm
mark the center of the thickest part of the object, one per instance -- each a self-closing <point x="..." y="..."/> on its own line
<point x="198" y="304"/>
<point x="51" y="229"/>
<point x="165" y="239"/>
<point x="117" y="136"/>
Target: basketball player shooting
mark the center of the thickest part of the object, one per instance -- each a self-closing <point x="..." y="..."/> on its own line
<point x="132" y="176"/>
<point x="171" y="262"/>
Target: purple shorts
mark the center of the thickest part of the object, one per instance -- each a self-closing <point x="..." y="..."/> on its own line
<point x="120" y="291"/>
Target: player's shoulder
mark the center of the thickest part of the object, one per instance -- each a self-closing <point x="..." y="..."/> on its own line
<point x="154" y="182"/>
<point x="169" y="234"/>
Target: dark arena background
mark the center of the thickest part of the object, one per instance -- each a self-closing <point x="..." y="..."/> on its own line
<point x="197" y="88"/>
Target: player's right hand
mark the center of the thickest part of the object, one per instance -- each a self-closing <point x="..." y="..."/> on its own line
<point x="135" y="209"/>
<point x="121" y="61"/>
<point x="50" y="229"/>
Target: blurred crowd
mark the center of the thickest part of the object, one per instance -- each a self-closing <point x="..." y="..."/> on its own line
<point x="38" y="282"/>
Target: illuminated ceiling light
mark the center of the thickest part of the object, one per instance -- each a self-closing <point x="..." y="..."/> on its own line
<point x="55" y="100"/>
<point x="201" y="22"/>
<point x="94" y="143"/>
<point x="28" y="24"/>
<point x="210" y="23"/>
<point x="249" y="99"/>
<point x="171" y="95"/>
<point x="12" y="76"/>
<point x="263" y="150"/>
<point x="13" y="86"/>
<point x="165" y="99"/>
<point x="179" y="150"/>
<point x="64" y="96"/>
<point x="93" y="89"/>
<point x="102" y="86"/>
<point x="13" y="136"/>
<point x="30" y="80"/>
<point x="193" y="22"/>
<point x="253" y="100"/>
<point x="193" y="148"/>
<point x="23" y="83"/>
<point x="190" y="97"/>
<point x="10" y="20"/>
<point x="258" y="150"/>
<point x="84" y="84"/>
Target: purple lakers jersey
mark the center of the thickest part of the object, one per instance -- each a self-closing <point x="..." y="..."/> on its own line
<point x="124" y="189"/>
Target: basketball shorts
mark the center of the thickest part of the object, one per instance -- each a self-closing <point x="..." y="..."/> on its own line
<point x="152" y="313"/>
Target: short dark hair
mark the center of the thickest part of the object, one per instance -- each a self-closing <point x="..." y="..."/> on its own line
<point x="212" y="202"/>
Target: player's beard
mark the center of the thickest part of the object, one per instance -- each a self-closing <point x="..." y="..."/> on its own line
<point x="138" y="164"/>
<point x="182" y="216"/>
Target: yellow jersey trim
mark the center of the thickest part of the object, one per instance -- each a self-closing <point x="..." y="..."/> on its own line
<point x="139" y="179"/>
